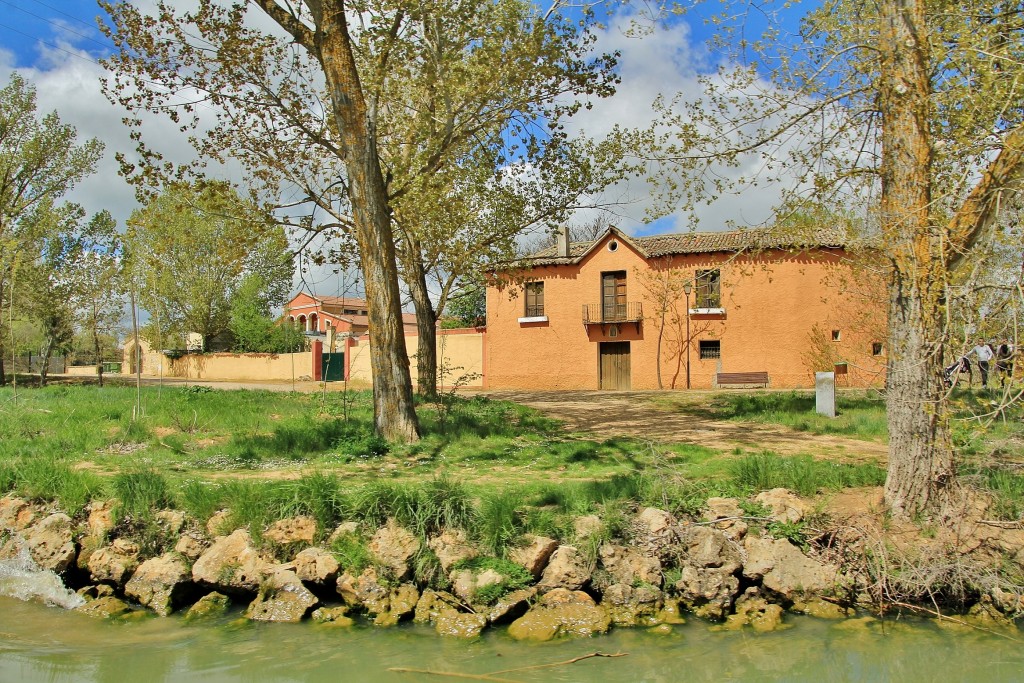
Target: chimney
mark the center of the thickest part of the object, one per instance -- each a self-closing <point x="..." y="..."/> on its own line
<point x="562" y="241"/>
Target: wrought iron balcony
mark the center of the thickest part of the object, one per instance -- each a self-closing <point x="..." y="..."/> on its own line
<point x="602" y="314"/>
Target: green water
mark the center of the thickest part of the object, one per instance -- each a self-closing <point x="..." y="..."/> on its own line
<point x="39" y="643"/>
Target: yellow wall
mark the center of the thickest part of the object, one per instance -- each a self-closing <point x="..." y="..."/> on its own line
<point x="772" y="303"/>
<point x="460" y="356"/>
<point x="222" y="366"/>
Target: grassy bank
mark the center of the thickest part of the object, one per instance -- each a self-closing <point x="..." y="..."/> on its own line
<point x="494" y="466"/>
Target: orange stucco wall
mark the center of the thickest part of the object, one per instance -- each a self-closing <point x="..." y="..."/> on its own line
<point x="772" y="303"/>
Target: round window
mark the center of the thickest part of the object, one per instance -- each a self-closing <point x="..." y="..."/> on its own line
<point x="613" y="245"/>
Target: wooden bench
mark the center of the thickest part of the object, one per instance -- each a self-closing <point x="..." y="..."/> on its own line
<point x="741" y="380"/>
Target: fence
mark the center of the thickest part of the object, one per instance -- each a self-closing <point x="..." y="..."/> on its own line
<point x="32" y="363"/>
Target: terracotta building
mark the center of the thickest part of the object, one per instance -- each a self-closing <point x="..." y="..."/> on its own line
<point x="347" y="316"/>
<point x="701" y="310"/>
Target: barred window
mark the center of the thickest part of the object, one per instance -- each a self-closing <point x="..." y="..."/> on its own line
<point x="710" y="348"/>
<point x="534" y="299"/>
<point x="708" y="289"/>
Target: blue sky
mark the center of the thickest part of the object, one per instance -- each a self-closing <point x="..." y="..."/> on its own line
<point x="55" y="45"/>
<point x="27" y="24"/>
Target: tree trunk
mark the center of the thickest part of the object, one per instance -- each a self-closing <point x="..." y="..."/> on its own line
<point x="44" y="366"/>
<point x="99" y="358"/>
<point x="921" y="473"/>
<point x="426" y="322"/>
<point x="394" y="411"/>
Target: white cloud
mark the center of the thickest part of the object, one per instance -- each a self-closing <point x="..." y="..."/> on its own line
<point x="662" y="62"/>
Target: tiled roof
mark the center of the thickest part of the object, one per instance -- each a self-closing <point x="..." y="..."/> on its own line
<point x="342" y="301"/>
<point x="697" y="243"/>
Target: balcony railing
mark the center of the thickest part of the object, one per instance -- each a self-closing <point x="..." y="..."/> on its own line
<point x="629" y="312"/>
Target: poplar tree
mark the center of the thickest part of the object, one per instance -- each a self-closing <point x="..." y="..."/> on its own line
<point x="352" y="114"/>
<point x="40" y="161"/>
<point x="909" y="107"/>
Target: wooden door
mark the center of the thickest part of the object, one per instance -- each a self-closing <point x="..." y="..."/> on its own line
<point x="613" y="296"/>
<point x="615" y="365"/>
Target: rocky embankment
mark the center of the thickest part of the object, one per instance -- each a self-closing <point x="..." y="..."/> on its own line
<point x="660" y="568"/>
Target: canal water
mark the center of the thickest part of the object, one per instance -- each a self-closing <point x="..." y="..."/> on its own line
<point x="45" y="642"/>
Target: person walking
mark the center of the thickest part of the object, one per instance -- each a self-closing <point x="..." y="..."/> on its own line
<point x="984" y="354"/>
<point x="1004" y="362"/>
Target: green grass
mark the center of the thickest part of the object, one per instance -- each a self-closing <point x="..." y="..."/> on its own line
<point x="802" y="474"/>
<point x="496" y="469"/>
<point x="860" y="414"/>
<point x="140" y="493"/>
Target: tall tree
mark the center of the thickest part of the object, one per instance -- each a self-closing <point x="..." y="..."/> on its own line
<point x="357" y="108"/>
<point x="913" y="102"/>
<point x="192" y="246"/>
<point x="98" y="291"/>
<point x="40" y="161"/>
<point x="292" y="108"/>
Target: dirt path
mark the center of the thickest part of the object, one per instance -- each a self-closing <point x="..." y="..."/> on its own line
<point x="635" y="413"/>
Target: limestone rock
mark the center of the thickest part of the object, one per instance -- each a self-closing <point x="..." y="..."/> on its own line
<point x="316" y="565"/>
<point x="50" y="542"/>
<point x="709" y="593"/>
<point x="587" y="526"/>
<point x="393" y="547"/>
<point x="95" y="591"/>
<point x="210" y="605"/>
<point x="160" y="583"/>
<point x="231" y="564"/>
<point x="655" y="533"/>
<point x="511" y="606"/>
<point x="171" y="521"/>
<point x="105" y="608"/>
<point x="114" y="563"/>
<point x="816" y="607"/>
<point x="16" y="513"/>
<point x="726" y="513"/>
<point x="87" y="545"/>
<point x="401" y="605"/>
<point x="534" y="555"/>
<point x="566" y="569"/>
<point x="431" y="604"/>
<point x="628" y="606"/>
<point x="708" y="548"/>
<point x="101" y="517"/>
<point x="332" y="616"/>
<point x="343" y="529"/>
<point x="442" y="610"/>
<point x="466" y="582"/>
<point x="191" y="546"/>
<point x="451" y="622"/>
<point x="292" y="531"/>
<point x="785" y="506"/>
<point x="753" y="610"/>
<point x="281" y="598"/>
<point x="561" y="612"/>
<point x="217" y="524"/>
<point x="387" y="605"/>
<point x="629" y="566"/>
<point x="451" y="546"/>
<point x="783" y="569"/>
